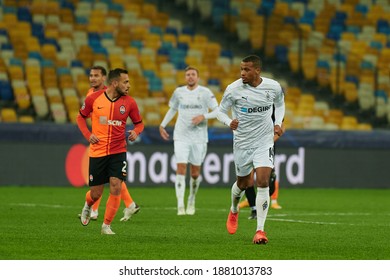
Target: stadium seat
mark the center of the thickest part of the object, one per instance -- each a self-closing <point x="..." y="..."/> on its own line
<point x="350" y="92"/>
<point x="8" y="115"/>
<point x="26" y="119"/>
<point x="58" y="112"/>
<point x="58" y="35"/>
<point x="348" y="123"/>
<point x="315" y="123"/>
<point x="334" y="116"/>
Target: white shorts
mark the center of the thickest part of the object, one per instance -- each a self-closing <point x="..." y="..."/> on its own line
<point x="247" y="160"/>
<point x="193" y="153"/>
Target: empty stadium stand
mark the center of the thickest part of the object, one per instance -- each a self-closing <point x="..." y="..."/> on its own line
<point x="340" y="51"/>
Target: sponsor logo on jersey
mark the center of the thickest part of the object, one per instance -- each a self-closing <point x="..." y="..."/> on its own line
<point x="190" y="106"/>
<point x="255" y="109"/>
<point x="114" y="122"/>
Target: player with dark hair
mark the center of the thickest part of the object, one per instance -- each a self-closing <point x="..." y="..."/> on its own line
<point x="251" y="99"/>
<point x="109" y="110"/>
<point x="97" y="77"/>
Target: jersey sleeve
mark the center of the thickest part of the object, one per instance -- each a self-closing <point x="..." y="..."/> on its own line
<point x="87" y="106"/>
<point x="279" y="106"/>
<point x="134" y="113"/>
<point x="174" y="101"/>
<point x="212" y="101"/>
<point x="224" y="107"/>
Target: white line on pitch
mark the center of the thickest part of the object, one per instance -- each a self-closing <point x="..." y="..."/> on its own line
<point x="306" y="222"/>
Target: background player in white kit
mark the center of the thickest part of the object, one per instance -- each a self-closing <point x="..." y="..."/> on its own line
<point x="250" y="99"/>
<point x="190" y="135"/>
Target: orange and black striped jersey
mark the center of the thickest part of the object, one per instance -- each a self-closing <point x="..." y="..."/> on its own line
<point x="109" y="121"/>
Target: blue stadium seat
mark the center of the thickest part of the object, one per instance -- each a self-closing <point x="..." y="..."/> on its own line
<point x="156" y="30"/>
<point x="361" y="8"/>
<point x="63" y="71"/>
<point x="323" y="64"/>
<point x="47" y="63"/>
<point x="51" y="41"/>
<point x="155" y="84"/>
<point x="149" y="74"/>
<point x="381" y="93"/>
<point x="116" y="7"/>
<point x="308" y="17"/>
<point x="9" y="9"/>
<point x="214" y="82"/>
<point x="3" y="32"/>
<point x="171" y="30"/>
<point x="266" y="8"/>
<point x="353" y="79"/>
<point x="137" y="44"/>
<point x="24" y="14"/>
<point x="188" y="30"/>
<point x="81" y="20"/>
<point x="339" y="57"/>
<point x="281" y="53"/>
<point x="107" y="35"/>
<point x="16" y="61"/>
<point x="6" y="46"/>
<point x="177" y="57"/>
<point x="76" y="63"/>
<point x="38" y="31"/>
<point x="67" y="5"/>
<point x="353" y="28"/>
<point x="36" y="55"/>
<point x="227" y="53"/>
<point x="6" y="92"/>
<point x="182" y="46"/>
<point x="376" y="45"/>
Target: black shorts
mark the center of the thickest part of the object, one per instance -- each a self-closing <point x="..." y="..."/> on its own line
<point x="102" y="168"/>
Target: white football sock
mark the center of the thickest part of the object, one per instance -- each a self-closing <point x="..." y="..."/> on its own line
<point x="194" y="186"/>
<point x="180" y="188"/>
<point x="262" y="206"/>
<point x="237" y="193"/>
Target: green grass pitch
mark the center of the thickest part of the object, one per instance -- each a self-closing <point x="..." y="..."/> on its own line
<point x="41" y="223"/>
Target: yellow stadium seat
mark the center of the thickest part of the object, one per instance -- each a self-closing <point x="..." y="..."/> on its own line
<point x="26" y="119"/>
<point x="335" y="116"/>
<point x="364" y="127"/>
<point x="350" y="92"/>
<point x="348" y="123"/>
<point x="8" y="115"/>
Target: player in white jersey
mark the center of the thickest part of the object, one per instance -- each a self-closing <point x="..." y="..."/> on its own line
<point x="251" y="99"/>
<point x="190" y="135"/>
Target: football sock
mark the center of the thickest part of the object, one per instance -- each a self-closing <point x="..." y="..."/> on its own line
<point x="237" y="193"/>
<point x="262" y="205"/>
<point x="88" y="198"/>
<point x="125" y="195"/>
<point x="275" y="195"/>
<point x="251" y="196"/>
<point x="95" y="205"/>
<point x="113" y="203"/>
<point x="194" y="186"/>
<point x="180" y="188"/>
